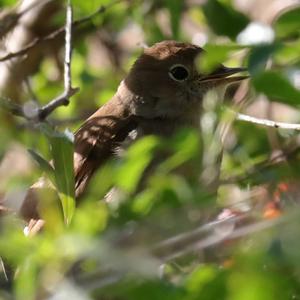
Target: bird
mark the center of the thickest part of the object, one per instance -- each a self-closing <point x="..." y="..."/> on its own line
<point x="162" y="93"/>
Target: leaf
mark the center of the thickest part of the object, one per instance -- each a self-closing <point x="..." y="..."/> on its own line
<point x="259" y="56"/>
<point x="62" y="149"/>
<point x="10" y="106"/>
<point x="288" y="24"/>
<point x="214" y="55"/>
<point x="137" y="159"/>
<point x="175" y="9"/>
<point x="288" y="54"/>
<point x="44" y="164"/>
<point x="277" y="87"/>
<point x="223" y="19"/>
<point x="7" y="2"/>
<point x="187" y="147"/>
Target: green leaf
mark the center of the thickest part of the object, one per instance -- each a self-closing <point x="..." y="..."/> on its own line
<point x="259" y="56"/>
<point x="206" y="282"/>
<point x="137" y="159"/>
<point x="44" y="164"/>
<point x="223" y="19"/>
<point x="277" y="88"/>
<point x="187" y="147"/>
<point x="7" y="2"/>
<point x="214" y="55"/>
<point x="175" y="9"/>
<point x="288" y="54"/>
<point x="288" y="24"/>
<point x="62" y="149"/>
<point x="7" y="104"/>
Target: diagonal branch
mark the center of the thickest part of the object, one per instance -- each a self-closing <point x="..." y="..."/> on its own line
<point x="57" y="32"/>
<point x="40" y="114"/>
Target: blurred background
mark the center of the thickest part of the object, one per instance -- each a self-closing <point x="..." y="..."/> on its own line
<point x="233" y="233"/>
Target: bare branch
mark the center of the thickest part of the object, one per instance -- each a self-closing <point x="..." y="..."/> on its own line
<point x="63" y="99"/>
<point x="12" y="107"/>
<point x="186" y="243"/>
<point x="68" y="48"/>
<point x="40" y="114"/>
<point x="266" y="122"/>
<point x="57" y="32"/>
<point x="214" y="237"/>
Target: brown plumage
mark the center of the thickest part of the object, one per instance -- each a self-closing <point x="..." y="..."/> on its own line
<point x="149" y="100"/>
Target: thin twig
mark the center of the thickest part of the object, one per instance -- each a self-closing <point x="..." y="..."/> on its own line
<point x="57" y="32"/>
<point x="12" y="107"/>
<point x="68" y="48"/>
<point x="186" y="243"/>
<point x="2" y="267"/>
<point x="214" y="238"/>
<point x="42" y="113"/>
<point x="267" y="122"/>
<point x="69" y="91"/>
<point x="204" y="234"/>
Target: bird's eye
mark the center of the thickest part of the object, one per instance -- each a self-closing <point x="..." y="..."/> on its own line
<point x="179" y="73"/>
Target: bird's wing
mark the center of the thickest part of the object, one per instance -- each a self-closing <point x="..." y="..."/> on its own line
<point x="97" y="138"/>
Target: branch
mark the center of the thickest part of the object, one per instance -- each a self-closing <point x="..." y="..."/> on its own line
<point x="180" y="245"/>
<point x="57" y="32"/>
<point x="266" y="122"/>
<point x="40" y="114"/>
<point x="63" y="99"/>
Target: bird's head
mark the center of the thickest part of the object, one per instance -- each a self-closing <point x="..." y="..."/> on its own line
<point x="166" y="80"/>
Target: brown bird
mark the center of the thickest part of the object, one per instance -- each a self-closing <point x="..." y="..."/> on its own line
<point x="162" y="92"/>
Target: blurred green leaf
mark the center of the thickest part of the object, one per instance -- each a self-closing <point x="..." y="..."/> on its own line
<point x="87" y="7"/>
<point x="288" y="23"/>
<point x="144" y="201"/>
<point x="277" y="88"/>
<point x="250" y="287"/>
<point x="44" y="164"/>
<point x="137" y="159"/>
<point x="206" y="282"/>
<point x="154" y="32"/>
<point x="224" y="19"/>
<point x="62" y="149"/>
<point x="26" y="280"/>
<point x="288" y="54"/>
<point x="214" y="55"/>
<point x="91" y="218"/>
<point x="259" y="56"/>
<point x="186" y="146"/>
<point x="7" y="3"/>
<point x="175" y="9"/>
<point x="153" y="290"/>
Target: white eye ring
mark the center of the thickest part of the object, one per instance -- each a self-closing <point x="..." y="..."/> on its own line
<point x="179" y="72"/>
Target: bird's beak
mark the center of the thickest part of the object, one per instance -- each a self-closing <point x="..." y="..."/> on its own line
<point x="223" y="75"/>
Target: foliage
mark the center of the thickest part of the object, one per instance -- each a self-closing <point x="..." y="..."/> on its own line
<point x="159" y="240"/>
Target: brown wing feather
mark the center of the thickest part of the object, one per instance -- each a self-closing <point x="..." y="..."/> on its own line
<point x="97" y="138"/>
